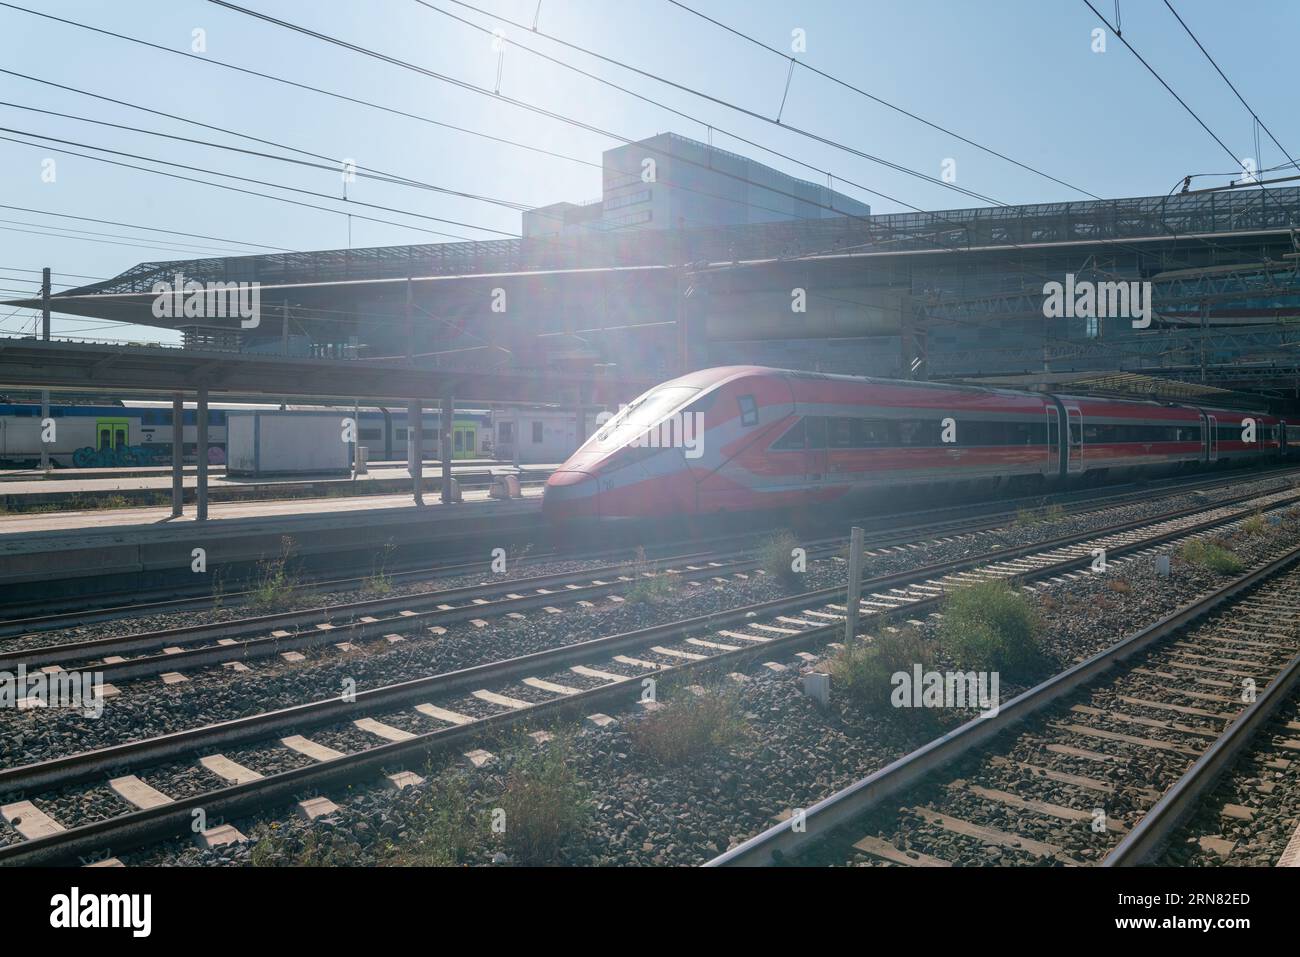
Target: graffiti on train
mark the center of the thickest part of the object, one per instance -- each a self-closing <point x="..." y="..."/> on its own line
<point x="92" y="458"/>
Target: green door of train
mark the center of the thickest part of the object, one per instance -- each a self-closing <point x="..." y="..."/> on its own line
<point x="464" y="439"/>
<point x="112" y="434"/>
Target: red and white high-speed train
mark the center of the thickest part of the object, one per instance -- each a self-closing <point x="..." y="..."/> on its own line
<point x="748" y="438"/>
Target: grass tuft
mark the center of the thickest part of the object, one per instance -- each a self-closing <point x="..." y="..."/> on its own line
<point x="990" y="626"/>
<point x="690" y="726"/>
<point x="545" y="805"/>
<point x="862" y="671"/>
<point x="777" y="559"/>
<point x="1211" y="555"/>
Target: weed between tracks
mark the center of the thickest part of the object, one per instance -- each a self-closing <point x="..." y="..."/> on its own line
<point x="275" y="584"/>
<point x="689" y="726"/>
<point x="1029" y="517"/>
<point x="380" y="582"/>
<point x="991" y="626"/>
<point x="528" y="813"/>
<point x="648" y="587"/>
<point x="777" y="558"/>
<point x="863" y="670"/>
<point x="1213" y="555"/>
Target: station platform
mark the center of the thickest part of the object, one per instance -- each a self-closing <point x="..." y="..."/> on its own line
<point x="102" y="551"/>
<point x="71" y="487"/>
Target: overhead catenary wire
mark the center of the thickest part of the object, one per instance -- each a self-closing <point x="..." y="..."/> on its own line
<point x="1232" y="86"/>
<point x="152" y="229"/>
<point x="370" y="104"/>
<point x="1150" y="69"/>
<point x="391" y="178"/>
<point x="571" y="121"/>
<point x="897" y="167"/>
<point x="144" y="244"/>
<point x="911" y="207"/>
<point x="236" y="189"/>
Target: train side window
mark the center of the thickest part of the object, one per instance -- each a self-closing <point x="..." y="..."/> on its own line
<point x="874" y="433"/>
<point x="748" y="410"/>
<point x="816" y="428"/>
<point x="792" y="440"/>
<point x="918" y="432"/>
<point x="840" y="433"/>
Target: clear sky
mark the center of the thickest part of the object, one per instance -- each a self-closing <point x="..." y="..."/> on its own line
<point x="1020" y="76"/>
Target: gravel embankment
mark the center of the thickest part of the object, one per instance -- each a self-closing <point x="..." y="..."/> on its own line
<point x="792" y="754"/>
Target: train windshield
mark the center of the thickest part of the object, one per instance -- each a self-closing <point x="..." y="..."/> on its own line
<point x="642" y="414"/>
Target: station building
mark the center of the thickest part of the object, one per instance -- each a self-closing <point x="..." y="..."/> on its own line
<point x="731" y="261"/>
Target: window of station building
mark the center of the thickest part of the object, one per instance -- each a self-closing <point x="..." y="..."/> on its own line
<point x="505" y="431"/>
<point x="631" y="219"/>
<point x="630" y="199"/>
<point x="537" y="432"/>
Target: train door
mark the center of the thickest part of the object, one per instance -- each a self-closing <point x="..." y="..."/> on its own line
<point x="1281" y="438"/>
<point x="1053" y="441"/>
<point x="815" y="451"/>
<point x="464" y="438"/>
<point x="1212" y="438"/>
<point x="112" y="434"/>
<point x="1075" y="418"/>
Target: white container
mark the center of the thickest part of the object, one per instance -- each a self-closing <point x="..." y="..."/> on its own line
<point x="287" y="443"/>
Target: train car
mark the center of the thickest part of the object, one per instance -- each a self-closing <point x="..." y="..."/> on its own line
<point x="749" y="439"/>
<point x="1118" y="438"/>
<point x="1234" y="435"/>
<point x="156" y="432"/>
<point x="83" y="435"/>
<point x="384" y="433"/>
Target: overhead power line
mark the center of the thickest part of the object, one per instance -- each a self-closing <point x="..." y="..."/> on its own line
<point x="152" y="229"/>
<point x="871" y="96"/>
<point x="390" y="178"/>
<point x="1152" y="71"/>
<point x="1232" y="87"/>
<point x="826" y="141"/>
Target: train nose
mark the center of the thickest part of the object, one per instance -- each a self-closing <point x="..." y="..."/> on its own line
<point x="570" y="495"/>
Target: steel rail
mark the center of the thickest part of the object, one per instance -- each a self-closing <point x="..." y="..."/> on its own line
<point x="897" y="533"/>
<point x="145" y="824"/>
<point x="262" y="647"/>
<point x="781" y="841"/>
<point x="1153" y="831"/>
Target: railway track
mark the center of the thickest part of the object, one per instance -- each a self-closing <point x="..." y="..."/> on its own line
<point x="1251" y="817"/>
<point x="399" y="726"/>
<point x="25" y="619"/>
<point x="1095" y="766"/>
<point x="175" y="650"/>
